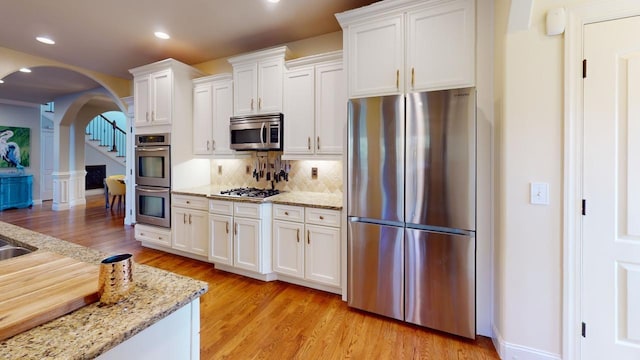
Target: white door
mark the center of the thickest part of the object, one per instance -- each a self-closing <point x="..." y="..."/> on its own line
<point x="222" y="111"/>
<point x="611" y="227"/>
<point x="202" y="119"/>
<point x="322" y="255"/>
<point x="270" y="86"/>
<point x="46" y="177"/>
<point x="221" y="242"/>
<point x="162" y="96"/>
<point x="288" y="248"/>
<point x="331" y="108"/>
<point x="246" y="244"/>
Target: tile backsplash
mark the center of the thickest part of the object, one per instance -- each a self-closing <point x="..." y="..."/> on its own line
<point x="233" y="174"/>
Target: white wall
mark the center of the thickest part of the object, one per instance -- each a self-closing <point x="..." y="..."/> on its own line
<point x="529" y="111"/>
<point x="29" y="117"/>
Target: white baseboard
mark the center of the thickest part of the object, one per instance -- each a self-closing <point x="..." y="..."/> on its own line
<point x="509" y="351"/>
<point x="94" y="192"/>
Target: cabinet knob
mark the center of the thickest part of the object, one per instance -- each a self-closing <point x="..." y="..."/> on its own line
<point x="159" y="237"/>
<point x="286" y="213"/>
<point x="321" y="217"/>
<point x="188" y="202"/>
<point x="141" y="234"/>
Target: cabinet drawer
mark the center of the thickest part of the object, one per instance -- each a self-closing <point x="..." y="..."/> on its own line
<point x="221" y="207"/>
<point x="323" y="217"/>
<point x="246" y="210"/>
<point x="156" y="236"/>
<point x="289" y="213"/>
<point x="191" y="202"/>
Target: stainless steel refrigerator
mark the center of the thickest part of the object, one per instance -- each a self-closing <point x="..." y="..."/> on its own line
<point x="412" y="208"/>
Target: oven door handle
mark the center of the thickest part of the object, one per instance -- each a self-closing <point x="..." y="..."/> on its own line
<point x="264" y="125"/>
<point x="147" y="149"/>
<point x="153" y="191"/>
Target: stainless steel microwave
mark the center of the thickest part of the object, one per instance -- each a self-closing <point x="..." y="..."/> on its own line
<point x="257" y="132"/>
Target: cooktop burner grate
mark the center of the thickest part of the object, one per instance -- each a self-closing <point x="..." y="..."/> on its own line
<point x="250" y="192"/>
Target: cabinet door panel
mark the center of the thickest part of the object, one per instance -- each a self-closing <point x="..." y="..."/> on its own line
<point x="222" y="111"/>
<point x="288" y="248"/>
<point x="376" y="57"/>
<point x="247" y="244"/>
<point x="245" y="88"/>
<point x="161" y="99"/>
<point x="299" y="103"/>
<point x="199" y="228"/>
<point x="180" y="227"/>
<point x="331" y="109"/>
<point x="270" y="86"/>
<point x="202" y="119"/>
<point x="141" y="93"/>
<point x="441" y="47"/>
<point x="221" y="239"/>
<point x="322" y="255"/>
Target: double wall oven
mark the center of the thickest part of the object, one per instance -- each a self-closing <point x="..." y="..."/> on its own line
<point x="153" y="179"/>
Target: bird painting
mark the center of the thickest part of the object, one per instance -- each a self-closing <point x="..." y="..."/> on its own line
<point x="10" y="150"/>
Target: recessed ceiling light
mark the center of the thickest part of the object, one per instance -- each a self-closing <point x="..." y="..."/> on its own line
<point x="161" y="35"/>
<point x="1" y="81"/>
<point x="25" y="70"/>
<point x="274" y="1"/>
<point x="45" y="40"/>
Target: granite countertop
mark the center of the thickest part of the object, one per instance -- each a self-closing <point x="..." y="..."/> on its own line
<point x="296" y="198"/>
<point x="94" y="329"/>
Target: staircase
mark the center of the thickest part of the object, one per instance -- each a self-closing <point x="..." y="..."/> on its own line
<point x="105" y="136"/>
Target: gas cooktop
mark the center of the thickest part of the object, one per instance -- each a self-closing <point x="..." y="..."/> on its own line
<point x="250" y="192"/>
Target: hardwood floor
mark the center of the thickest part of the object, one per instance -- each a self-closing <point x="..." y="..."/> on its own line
<point x="242" y="318"/>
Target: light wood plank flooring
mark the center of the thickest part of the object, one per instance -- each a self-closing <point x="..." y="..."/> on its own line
<point x="243" y="318"/>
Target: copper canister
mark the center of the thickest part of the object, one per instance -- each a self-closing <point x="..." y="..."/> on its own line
<point x="115" y="281"/>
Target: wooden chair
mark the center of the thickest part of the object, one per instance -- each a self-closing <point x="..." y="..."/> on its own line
<point x="116" y="186"/>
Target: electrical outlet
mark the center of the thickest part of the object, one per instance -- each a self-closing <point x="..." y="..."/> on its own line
<point x="314" y="173"/>
<point x="219" y="169"/>
<point x="539" y="193"/>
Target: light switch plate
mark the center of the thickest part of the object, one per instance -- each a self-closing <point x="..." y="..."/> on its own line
<point x="539" y="193"/>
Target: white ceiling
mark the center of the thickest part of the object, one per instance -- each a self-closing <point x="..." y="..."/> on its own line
<point x="116" y="35"/>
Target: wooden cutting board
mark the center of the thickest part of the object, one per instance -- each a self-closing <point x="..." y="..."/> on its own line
<point x="41" y="286"/>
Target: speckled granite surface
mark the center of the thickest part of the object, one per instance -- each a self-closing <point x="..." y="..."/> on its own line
<point x="94" y="329"/>
<point x="296" y="198"/>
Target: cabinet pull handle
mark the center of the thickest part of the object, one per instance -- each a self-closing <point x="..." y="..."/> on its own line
<point x="189" y="219"/>
<point x="298" y="235"/>
<point x="321" y="217"/>
<point x="413" y="77"/>
<point x="309" y="142"/>
<point x="213" y="145"/>
<point x="207" y="145"/>
<point x="318" y="143"/>
<point x="235" y="231"/>
<point x="308" y="237"/>
<point x="146" y="115"/>
<point x="227" y="227"/>
<point x="251" y="103"/>
<point x="286" y="213"/>
<point x="184" y="218"/>
<point x="398" y="79"/>
<point x="153" y="116"/>
<point x="259" y="103"/>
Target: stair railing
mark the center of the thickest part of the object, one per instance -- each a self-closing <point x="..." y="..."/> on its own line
<point x="108" y="134"/>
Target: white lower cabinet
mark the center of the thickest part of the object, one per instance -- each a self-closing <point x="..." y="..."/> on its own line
<point x="190" y="224"/>
<point x="239" y="236"/>
<point x="306" y="244"/>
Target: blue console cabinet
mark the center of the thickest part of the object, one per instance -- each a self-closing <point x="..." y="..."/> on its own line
<point x="16" y="191"/>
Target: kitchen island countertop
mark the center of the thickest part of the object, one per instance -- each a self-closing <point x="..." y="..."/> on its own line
<point x="296" y="198"/>
<point x="95" y="328"/>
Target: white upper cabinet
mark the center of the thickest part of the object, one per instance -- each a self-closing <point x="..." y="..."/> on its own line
<point x="212" y="108"/>
<point x="398" y="46"/>
<point x="258" y="81"/>
<point x="315" y="107"/>
<point x="375" y="57"/>
<point x="159" y="96"/>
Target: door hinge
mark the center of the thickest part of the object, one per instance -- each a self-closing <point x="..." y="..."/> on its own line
<point x="584" y="68"/>
<point x="584" y="330"/>
<point x="584" y="207"/>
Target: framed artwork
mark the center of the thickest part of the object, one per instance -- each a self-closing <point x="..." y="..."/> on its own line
<point x="14" y="147"/>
